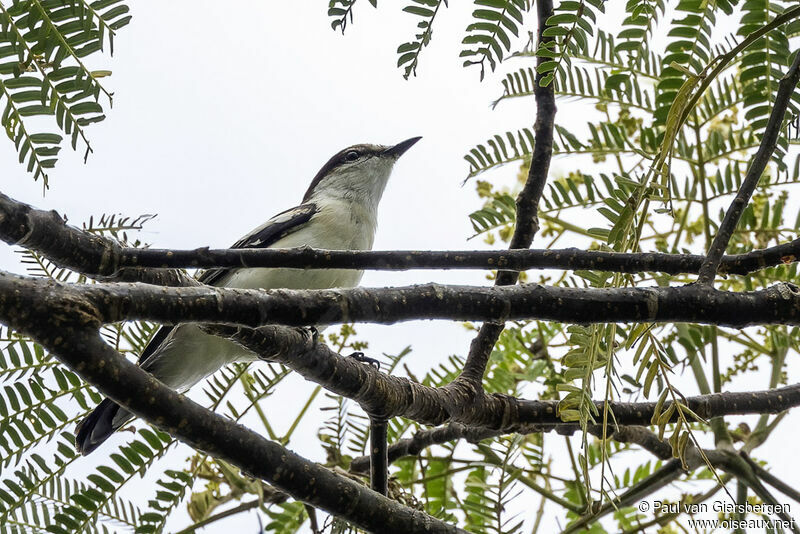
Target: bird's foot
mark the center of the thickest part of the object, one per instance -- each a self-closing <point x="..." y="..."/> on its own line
<point x="359" y="356"/>
<point x="311" y="332"/>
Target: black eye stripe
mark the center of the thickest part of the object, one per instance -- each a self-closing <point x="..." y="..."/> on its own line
<point x="339" y="159"/>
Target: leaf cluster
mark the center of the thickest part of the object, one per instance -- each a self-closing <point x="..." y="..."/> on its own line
<point x="43" y="48"/>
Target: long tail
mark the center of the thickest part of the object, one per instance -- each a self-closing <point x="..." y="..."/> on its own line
<point x="103" y="421"/>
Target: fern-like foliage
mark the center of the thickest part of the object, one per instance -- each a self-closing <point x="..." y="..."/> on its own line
<point x="487" y="39"/>
<point x="568" y="28"/>
<point x="690" y="47"/>
<point x="577" y="81"/>
<point x="286" y="518"/>
<point x="40" y="403"/>
<point x="668" y="175"/>
<point x="43" y="45"/>
<point x="762" y="65"/>
<point x="34" y="409"/>
<point x="342" y="10"/>
<point x="641" y="18"/>
<point x="605" y="139"/>
<point x="409" y="52"/>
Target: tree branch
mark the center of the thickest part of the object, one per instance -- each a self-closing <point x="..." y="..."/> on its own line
<point x="771" y="479"/>
<point x="527" y="212"/>
<point x="739" y="466"/>
<point x="379" y="462"/>
<point x="760" y="160"/>
<point x="426" y="438"/>
<point x="487" y="415"/>
<point x="779" y="304"/>
<point x="456" y="431"/>
<point x="243" y="507"/>
<point x="65" y="321"/>
<point x="102" y="258"/>
<point x="47" y="233"/>
<point x="668" y="473"/>
<point x="69" y="330"/>
<point x="401" y="260"/>
<point x="668" y="518"/>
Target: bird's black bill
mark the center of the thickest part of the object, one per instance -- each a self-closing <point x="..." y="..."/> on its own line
<point x="400" y="148"/>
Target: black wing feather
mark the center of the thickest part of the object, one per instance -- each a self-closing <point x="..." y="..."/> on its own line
<point x="262" y="237"/>
<point x="155" y="342"/>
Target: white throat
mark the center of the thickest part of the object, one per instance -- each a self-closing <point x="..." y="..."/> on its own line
<point x="361" y="184"/>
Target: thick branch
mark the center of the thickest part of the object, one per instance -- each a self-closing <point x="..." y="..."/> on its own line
<point x="779" y="304"/>
<point x="65" y="321"/>
<point x="786" y="87"/>
<point x="69" y="331"/>
<point x="486" y="415"/>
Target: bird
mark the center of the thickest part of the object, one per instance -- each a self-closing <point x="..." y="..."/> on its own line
<point x="338" y="212"/>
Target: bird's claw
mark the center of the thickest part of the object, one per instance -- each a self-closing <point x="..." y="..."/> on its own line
<point x="359" y="356"/>
<point x="313" y="333"/>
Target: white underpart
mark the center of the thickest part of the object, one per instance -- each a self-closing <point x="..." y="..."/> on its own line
<point x="347" y="218"/>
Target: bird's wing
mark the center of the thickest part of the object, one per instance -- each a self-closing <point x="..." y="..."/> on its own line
<point x="155" y="342"/>
<point x="264" y="236"/>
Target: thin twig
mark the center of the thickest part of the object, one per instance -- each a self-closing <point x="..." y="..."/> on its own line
<point x="46" y="232"/>
<point x="759" y="162"/>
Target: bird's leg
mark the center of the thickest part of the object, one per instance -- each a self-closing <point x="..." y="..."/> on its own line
<point x="311" y="332"/>
<point x="359" y="356"/>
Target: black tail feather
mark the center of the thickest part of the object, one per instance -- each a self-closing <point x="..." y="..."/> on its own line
<point x="98" y="426"/>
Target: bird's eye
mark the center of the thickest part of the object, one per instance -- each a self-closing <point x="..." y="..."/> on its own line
<point x="351" y="156"/>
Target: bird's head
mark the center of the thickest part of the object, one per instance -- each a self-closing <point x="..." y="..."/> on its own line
<point x="358" y="173"/>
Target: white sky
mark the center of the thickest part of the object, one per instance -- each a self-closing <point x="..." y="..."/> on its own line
<point x="223" y="114"/>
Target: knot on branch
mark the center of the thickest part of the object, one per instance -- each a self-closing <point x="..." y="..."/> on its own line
<point x="461" y="399"/>
<point x="504" y="409"/>
<point x="46" y="308"/>
<point x="787" y="290"/>
<point x="40" y="230"/>
<point x="73" y="312"/>
<point x="473" y="407"/>
<point x="14" y="220"/>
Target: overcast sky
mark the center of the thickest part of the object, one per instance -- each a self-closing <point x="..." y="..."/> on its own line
<point x="224" y="112"/>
